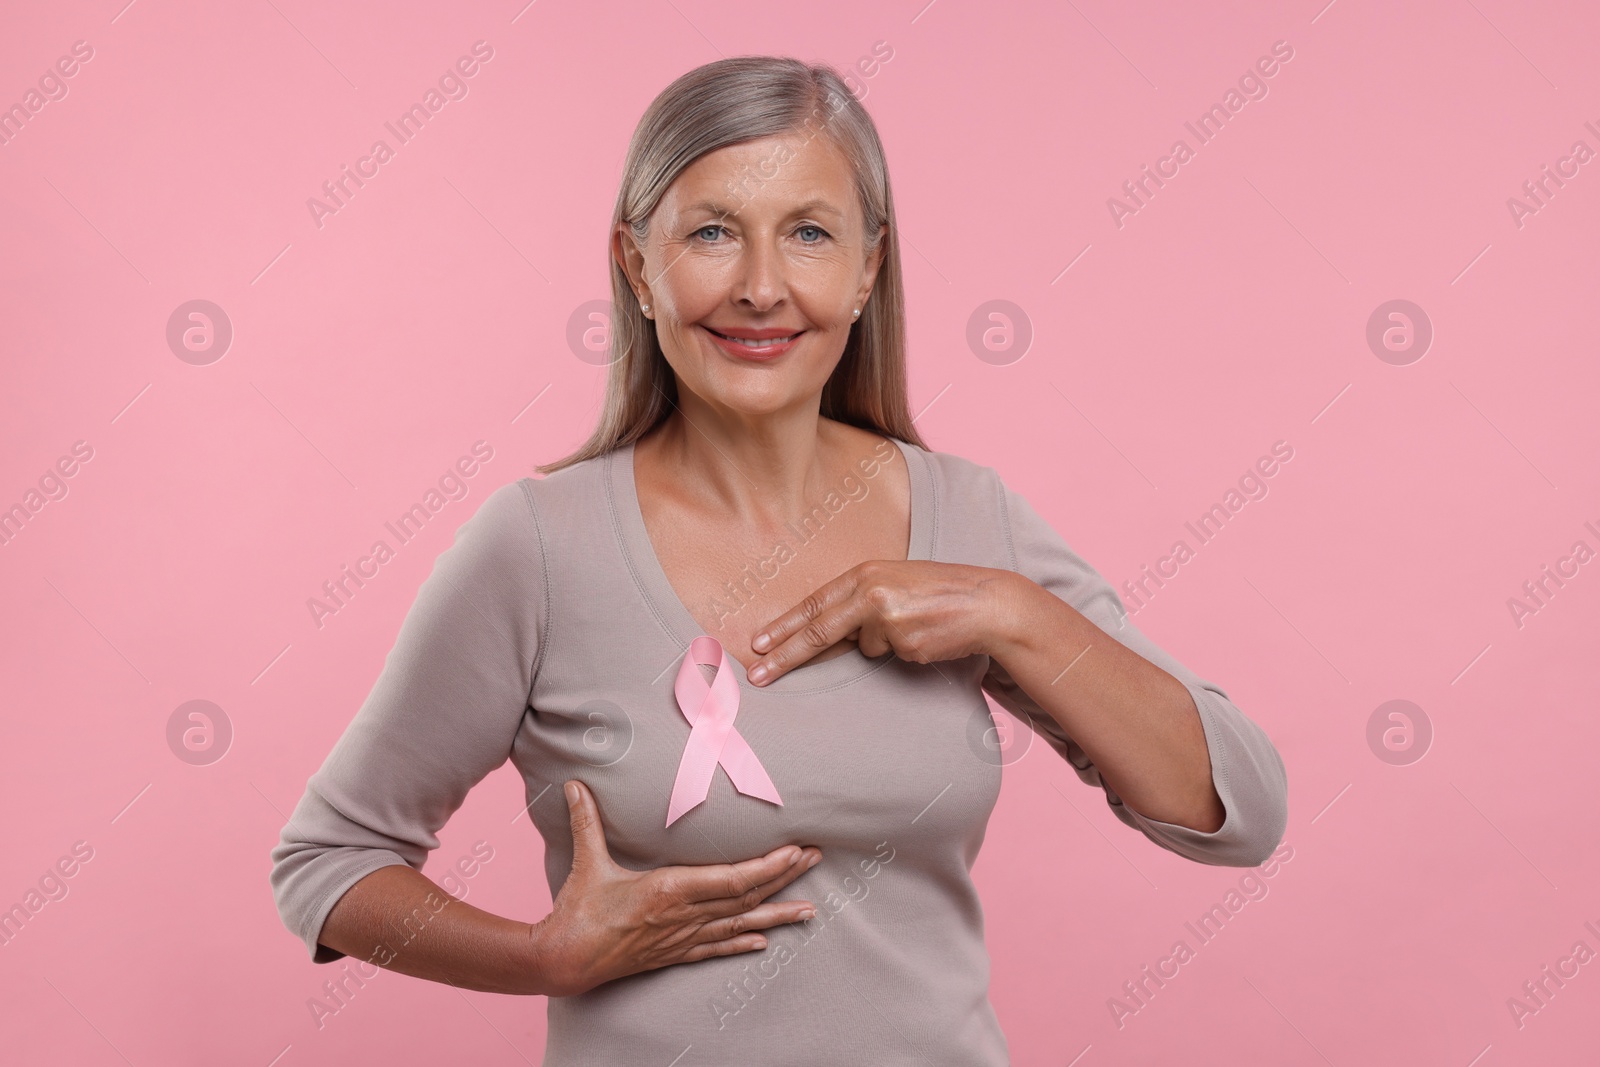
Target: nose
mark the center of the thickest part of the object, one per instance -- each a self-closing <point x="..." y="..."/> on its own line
<point x="762" y="280"/>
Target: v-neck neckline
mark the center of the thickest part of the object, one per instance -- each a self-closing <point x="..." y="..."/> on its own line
<point x="675" y="617"/>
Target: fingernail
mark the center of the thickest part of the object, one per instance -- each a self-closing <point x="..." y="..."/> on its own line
<point x="816" y="858"/>
<point x="761" y="942"/>
<point x="809" y="913"/>
<point x="794" y="857"/>
<point x="572" y="794"/>
<point x="759" y="673"/>
<point x="761" y="642"/>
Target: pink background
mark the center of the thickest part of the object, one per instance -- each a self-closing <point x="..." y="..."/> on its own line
<point x="1229" y="313"/>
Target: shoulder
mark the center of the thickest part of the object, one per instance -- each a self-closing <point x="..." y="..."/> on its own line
<point x="968" y="506"/>
<point x="572" y="495"/>
<point x="503" y="529"/>
<point x="523" y="515"/>
<point x="960" y="483"/>
<point x="565" y="518"/>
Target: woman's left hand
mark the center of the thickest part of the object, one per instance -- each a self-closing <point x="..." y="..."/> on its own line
<point x="923" y="610"/>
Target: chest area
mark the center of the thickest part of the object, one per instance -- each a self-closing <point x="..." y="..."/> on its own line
<point x="902" y="755"/>
<point x="735" y="582"/>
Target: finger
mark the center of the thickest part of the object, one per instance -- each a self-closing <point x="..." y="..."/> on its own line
<point x="732" y="946"/>
<point x="772" y="913"/>
<point x="733" y="905"/>
<point x="588" y="836"/>
<point x="790" y="622"/>
<point x="872" y="639"/>
<point x="720" y="880"/>
<point x="813" y="636"/>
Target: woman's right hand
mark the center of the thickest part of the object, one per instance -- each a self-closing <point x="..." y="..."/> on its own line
<point x="608" y="921"/>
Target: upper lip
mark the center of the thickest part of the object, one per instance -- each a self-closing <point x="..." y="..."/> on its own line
<point x="747" y="334"/>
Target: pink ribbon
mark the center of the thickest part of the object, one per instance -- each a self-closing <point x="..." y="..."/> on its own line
<point x="710" y="710"/>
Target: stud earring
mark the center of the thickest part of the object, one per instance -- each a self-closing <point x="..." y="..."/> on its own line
<point x="644" y="307"/>
<point x="855" y="312"/>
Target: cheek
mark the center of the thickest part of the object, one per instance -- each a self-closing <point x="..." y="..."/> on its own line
<point x="828" y="299"/>
<point x="695" y="282"/>
<point x="685" y="352"/>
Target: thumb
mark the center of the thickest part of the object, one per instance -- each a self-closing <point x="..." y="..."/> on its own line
<point x="588" y="836"/>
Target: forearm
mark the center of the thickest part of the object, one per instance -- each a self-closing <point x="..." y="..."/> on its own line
<point x="400" y="919"/>
<point x="1135" y="721"/>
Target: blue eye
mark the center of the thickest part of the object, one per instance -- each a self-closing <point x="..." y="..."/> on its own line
<point x="714" y="227"/>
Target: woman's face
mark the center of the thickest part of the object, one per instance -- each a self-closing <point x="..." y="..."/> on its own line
<point x="764" y="237"/>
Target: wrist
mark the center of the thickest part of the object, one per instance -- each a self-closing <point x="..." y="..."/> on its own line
<point x="1007" y="618"/>
<point x="535" y="962"/>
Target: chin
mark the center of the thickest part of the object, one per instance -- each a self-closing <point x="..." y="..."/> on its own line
<point x="754" y="398"/>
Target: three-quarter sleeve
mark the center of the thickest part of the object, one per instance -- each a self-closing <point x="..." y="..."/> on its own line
<point x="443" y="713"/>
<point x="1246" y="769"/>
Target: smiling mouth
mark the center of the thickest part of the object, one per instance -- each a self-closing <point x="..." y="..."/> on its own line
<point x="754" y="346"/>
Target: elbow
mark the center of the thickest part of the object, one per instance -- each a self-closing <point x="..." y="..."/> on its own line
<point x="1255" y="814"/>
<point x="291" y="881"/>
<point x="1263" y="838"/>
<point x="1262" y="823"/>
<point x="1251" y="781"/>
<point x="308" y="878"/>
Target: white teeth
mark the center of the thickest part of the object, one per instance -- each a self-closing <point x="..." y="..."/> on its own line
<point x="768" y="343"/>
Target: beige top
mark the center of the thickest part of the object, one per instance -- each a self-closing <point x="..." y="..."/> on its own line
<point x="548" y="634"/>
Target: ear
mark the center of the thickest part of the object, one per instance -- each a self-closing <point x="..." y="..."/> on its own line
<point x="874" y="261"/>
<point x="630" y="257"/>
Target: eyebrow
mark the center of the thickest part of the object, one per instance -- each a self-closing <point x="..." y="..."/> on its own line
<point x="816" y="205"/>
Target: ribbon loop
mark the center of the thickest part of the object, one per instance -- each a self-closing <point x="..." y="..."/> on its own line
<point x="713" y="740"/>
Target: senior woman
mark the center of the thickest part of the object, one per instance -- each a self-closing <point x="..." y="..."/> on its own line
<point x="737" y="646"/>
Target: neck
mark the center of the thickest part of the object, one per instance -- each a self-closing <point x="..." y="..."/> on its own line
<point x="761" y="470"/>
